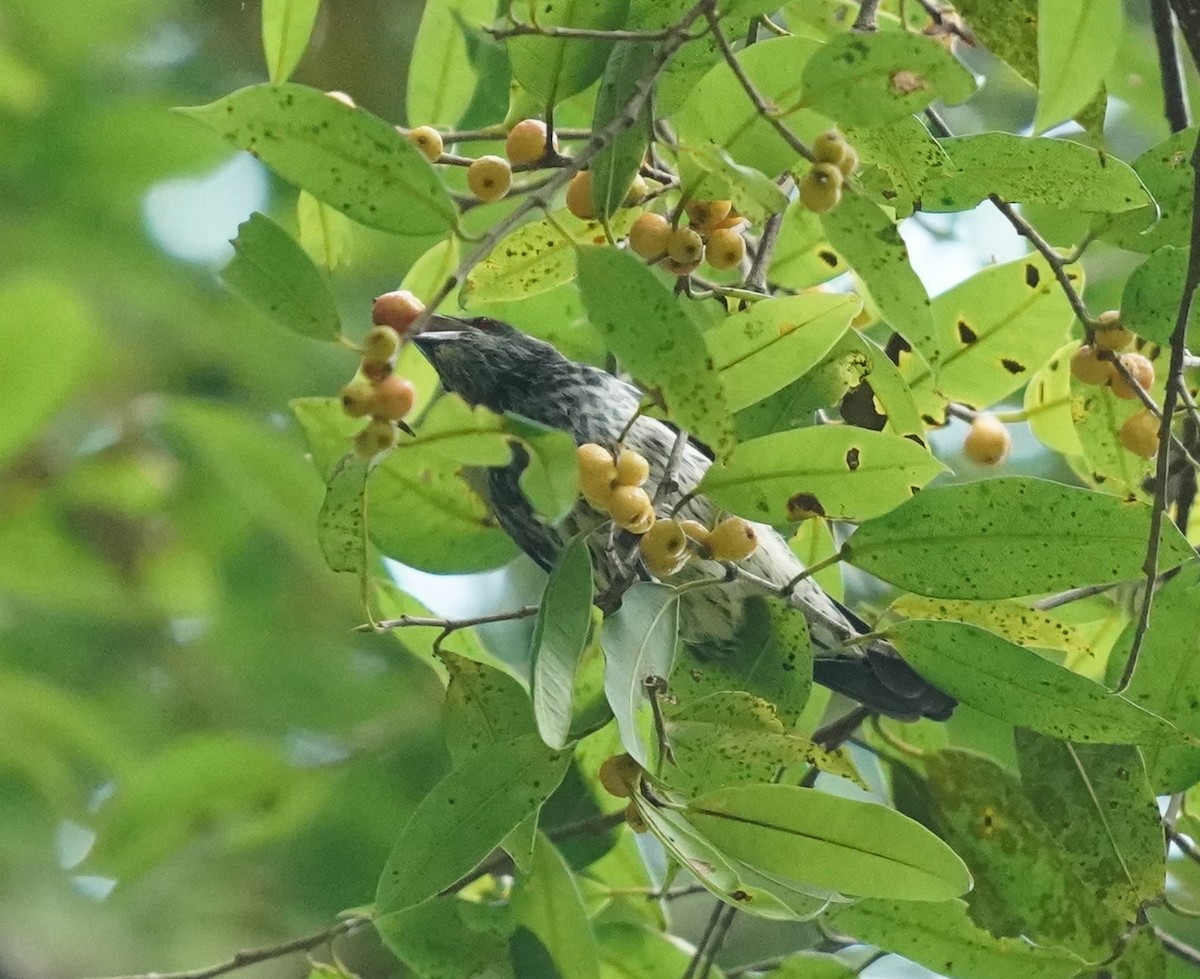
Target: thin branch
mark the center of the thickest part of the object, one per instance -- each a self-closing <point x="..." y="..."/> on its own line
<point x="519" y="29"/>
<point x="249" y="957"/>
<point x="1174" y="98"/>
<point x="760" y="104"/>
<point x="449" y="625"/>
<point x="711" y="940"/>
<point x="1073" y="595"/>
<point x="1162" y="469"/>
<point x="1176" y="947"/>
<point x="1186" y="846"/>
<point x="865" y="21"/>
<point x="756" y="278"/>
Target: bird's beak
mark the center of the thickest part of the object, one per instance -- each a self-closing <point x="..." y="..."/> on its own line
<point x="439" y="323"/>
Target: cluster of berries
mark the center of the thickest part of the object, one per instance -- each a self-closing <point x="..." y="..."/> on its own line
<point x="1096" y="363"/>
<point x="836" y="160"/>
<point x="614" y="484"/>
<point x="382" y="395"/>
<point x="711" y="235"/>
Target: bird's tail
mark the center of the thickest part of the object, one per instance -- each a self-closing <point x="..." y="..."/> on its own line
<point x="883" y="682"/>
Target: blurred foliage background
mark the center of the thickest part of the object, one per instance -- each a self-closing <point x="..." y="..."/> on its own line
<point x="166" y="619"/>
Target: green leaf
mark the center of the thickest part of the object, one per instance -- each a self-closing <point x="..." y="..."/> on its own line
<point x="905" y="153"/>
<point x="773" y="661"/>
<point x="835" y="471"/>
<point x="803" y="256"/>
<point x="273" y="273"/>
<point x="857" y="848"/>
<point x="560" y="635"/>
<point x="325" y="234"/>
<point x="615" y="166"/>
<point x="775" y="341"/>
<point x="1143" y="956"/>
<point x="441" y="75"/>
<point x="1167" y="678"/>
<point x="1025" y="883"/>
<point x="1018" y="686"/>
<point x="1048" y="403"/>
<point x="341" y="524"/>
<point x="733" y="737"/>
<point x="1006" y="537"/>
<point x="992" y="330"/>
<point x="346" y="157"/>
<point x="32" y="306"/>
<point x="555" y="68"/>
<point x="861" y="231"/>
<point x="942" y="935"/>
<point x="435" y="941"/>
<point x="630" y="951"/>
<point x="465" y="816"/>
<point x="812" y="965"/>
<point x="1166" y="172"/>
<point x="1025" y="170"/>
<point x="483" y="707"/>
<point x="1008" y="30"/>
<point x="1150" y="302"/>
<point x="547" y="902"/>
<point x="873" y="79"/>
<point x="537" y="257"/>
<point x="718" y="111"/>
<point x="1076" y="47"/>
<point x="241" y="791"/>
<point x="550" y="479"/>
<point x="1097" y="801"/>
<point x="286" y="27"/>
<point x="652" y="335"/>
<point x="638" y="641"/>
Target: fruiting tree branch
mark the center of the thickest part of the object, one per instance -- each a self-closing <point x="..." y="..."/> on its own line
<point x="675" y="37"/>
<point x="519" y="29"/>
<point x="448" y="625"/>
<point x="249" y="957"/>
<point x="1162" y="467"/>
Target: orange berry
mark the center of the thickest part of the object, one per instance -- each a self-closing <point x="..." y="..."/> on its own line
<point x="428" y="140"/>
<point x="648" y="235"/>
<point x="579" y="196"/>
<point x="398" y="309"/>
<point x="685" y="246"/>
<point x="1139" y="434"/>
<point x="679" y="268"/>
<point x="733" y="539"/>
<point x="1110" y="333"/>
<point x="1140" y="369"/>
<point x="706" y="215"/>
<point x="1088" y="368"/>
<point x="620" y="774"/>
<point x="725" y="249"/>
<point x="489" y="178"/>
<point x="394" y="398"/>
<point x="526" y="142"/>
<point x="988" y="442"/>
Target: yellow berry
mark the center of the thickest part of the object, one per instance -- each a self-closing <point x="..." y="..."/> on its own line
<point x="637" y="192"/>
<point x="821" y="188"/>
<point x="733" y="539"/>
<point x="632" y="468"/>
<point x="428" y="140"/>
<point x="1111" y="333"/>
<point x="593" y="456"/>
<point x="706" y="215"/>
<point x="489" y="178"/>
<point x="664" y="548"/>
<point x="597" y="474"/>
<point x="725" y="249"/>
<point x="849" y="162"/>
<point x="830" y="147"/>
<point x="1139" y="434"/>
<point x="696" y="531"/>
<point x="620" y="774"/>
<point x="379" y="346"/>
<point x="648" y="235"/>
<point x="734" y="220"/>
<point x="685" y="246"/>
<point x="579" y="196"/>
<point x="631" y="509"/>
<point x="526" y="142"/>
<point x="988" y="442"/>
<point x="358" y="399"/>
<point x="1141" y="370"/>
<point x="394" y="398"/>
<point x="378" y="436"/>
<point x="679" y="268"/>
<point x="1088" y="368"/>
<point x="634" y="820"/>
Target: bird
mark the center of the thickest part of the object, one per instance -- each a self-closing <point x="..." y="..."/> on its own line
<point x="493" y="364"/>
